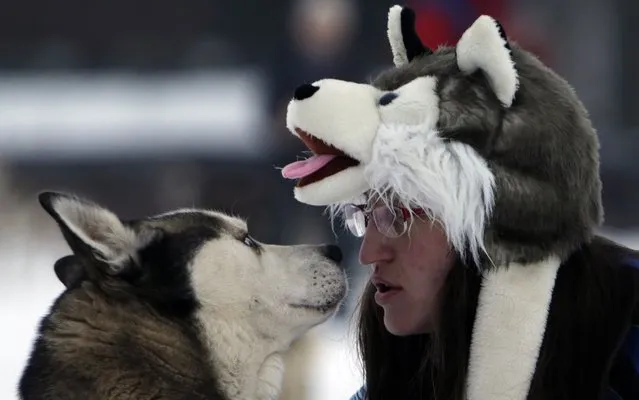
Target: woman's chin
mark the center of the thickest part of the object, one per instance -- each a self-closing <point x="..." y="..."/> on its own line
<point x="398" y="326"/>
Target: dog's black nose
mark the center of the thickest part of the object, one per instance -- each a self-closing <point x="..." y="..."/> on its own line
<point x="305" y="91"/>
<point x="333" y="252"/>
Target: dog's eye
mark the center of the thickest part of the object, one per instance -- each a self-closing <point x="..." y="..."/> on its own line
<point x="249" y="241"/>
<point x="387" y="98"/>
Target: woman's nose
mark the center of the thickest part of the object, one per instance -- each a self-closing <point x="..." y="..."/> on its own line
<point x="375" y="247"/>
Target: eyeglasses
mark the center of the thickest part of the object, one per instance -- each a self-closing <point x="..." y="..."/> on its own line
<point x="391" y="222"/>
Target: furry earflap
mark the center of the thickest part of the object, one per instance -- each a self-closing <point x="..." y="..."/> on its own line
<point x="404" y="41"/>
<point x="485" y="46"/>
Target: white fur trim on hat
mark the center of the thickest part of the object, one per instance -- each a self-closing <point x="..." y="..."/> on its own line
<point x="510" y="323"/>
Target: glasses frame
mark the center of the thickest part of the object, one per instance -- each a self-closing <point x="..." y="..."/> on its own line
<point x="398" y="212"/>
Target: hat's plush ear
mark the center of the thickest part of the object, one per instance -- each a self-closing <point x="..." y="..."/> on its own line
<point x="404" y="41"/>
<point x="484" y="46"/>
<point x="95" y="235"/>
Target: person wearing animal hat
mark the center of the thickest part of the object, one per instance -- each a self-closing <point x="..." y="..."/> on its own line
<point x="472" y="174"/>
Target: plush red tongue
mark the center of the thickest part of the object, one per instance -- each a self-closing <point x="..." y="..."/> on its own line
<point x="300" y="169"/>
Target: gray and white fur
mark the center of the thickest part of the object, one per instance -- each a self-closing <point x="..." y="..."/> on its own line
<point x="183" y="305"/>
<point x="512" y="134"/>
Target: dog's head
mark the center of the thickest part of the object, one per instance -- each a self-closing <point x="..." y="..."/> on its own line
<point x="199" y="264"/>
<point x="482" y="135"/>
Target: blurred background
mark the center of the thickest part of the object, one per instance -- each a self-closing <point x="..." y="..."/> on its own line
<point x="149" y="105"/>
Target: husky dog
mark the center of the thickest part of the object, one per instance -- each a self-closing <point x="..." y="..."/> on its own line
<point x="182" y="305"/>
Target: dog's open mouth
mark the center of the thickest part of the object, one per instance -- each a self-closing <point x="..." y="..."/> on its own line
<point x="327" y="160"/>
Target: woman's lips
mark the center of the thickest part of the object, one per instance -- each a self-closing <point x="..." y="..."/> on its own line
<point x="385" y="296"/>
<point x="385" y="290"/>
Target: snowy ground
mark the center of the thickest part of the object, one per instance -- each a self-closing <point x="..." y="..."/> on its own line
<point x="30" y="286"/>
<point x="336" y="374"/>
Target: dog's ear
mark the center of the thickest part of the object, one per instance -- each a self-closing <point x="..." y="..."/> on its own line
<point x="70" y="271"/>
<point x="484" y="46"/>
<point x="96" y="235"/>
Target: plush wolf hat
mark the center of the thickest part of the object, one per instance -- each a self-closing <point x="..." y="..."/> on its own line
<point x="493" y="144"/>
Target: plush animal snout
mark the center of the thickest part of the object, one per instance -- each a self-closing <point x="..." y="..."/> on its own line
<point x="305" y="91"/>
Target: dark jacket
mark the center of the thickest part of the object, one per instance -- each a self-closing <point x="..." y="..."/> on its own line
<point x="623" y="375"/>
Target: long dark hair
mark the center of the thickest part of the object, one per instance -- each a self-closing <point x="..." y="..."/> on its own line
<point x="432" y="366"/>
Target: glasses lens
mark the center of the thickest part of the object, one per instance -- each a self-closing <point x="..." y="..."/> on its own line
<point x="355" y="220"/>
<point x="390" y="222"/>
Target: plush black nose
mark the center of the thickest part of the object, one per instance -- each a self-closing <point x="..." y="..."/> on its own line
<point x="333" y="252"/>
<point x="305" y="91"/>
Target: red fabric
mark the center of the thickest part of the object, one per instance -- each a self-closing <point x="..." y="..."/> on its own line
<point x="435" y="26"/>
<point x="497" y="9"/>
